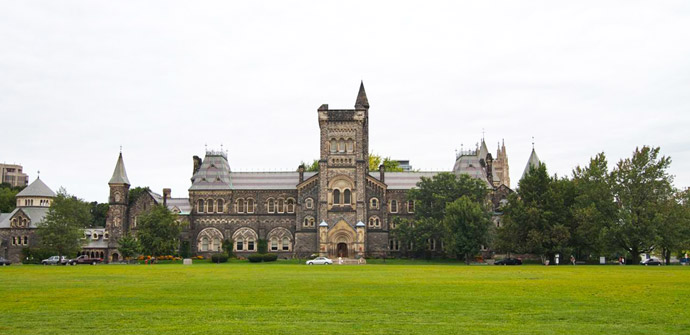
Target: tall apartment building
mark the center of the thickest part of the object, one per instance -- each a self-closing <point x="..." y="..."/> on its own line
<point x="13" y="175"/>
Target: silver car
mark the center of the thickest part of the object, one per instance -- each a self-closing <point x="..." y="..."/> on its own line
<point x="54" y="260"/>
<point x="320" y="260"/>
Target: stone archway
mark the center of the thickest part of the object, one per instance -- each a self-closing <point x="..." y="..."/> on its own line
<point x="341" y="250"/>
<point x="341" y="239"/>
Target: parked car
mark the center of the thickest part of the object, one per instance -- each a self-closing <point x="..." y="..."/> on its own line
<point x="55" y="260"/>
<point x="651" y="261"/>
<point x="508" y="261"/>
<point x="84" y="259"/>
<point x="320" y="260"/>
<point x="4" y="262"/>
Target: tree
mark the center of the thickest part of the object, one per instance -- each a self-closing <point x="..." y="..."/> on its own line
<point x="673" y="225"/>
<point x="313" y="167"/>
<point x="8" y="196"/>
<point x="61" y="229"/>
<point x="99" y="212"/>
<point x="389" y="165"/>
<point x="594" y="211"/>
<point x="228" y="245"/>
<point x="158" y="231"/>
<point x="128" y="246"/>
<point x="641" y="186"/>
<point x="467" y="227"/>
<point x="135" y="193"/>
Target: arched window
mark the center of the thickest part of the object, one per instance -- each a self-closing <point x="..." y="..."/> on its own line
<point x="274" y="244"/>
<point x="286" y="244"/>
<point x="270" y="203"/>
<point x="336" y="197"/>
<point x="250" y="244"/>
<point x="334" y="145"/>
<point x="309" y="203"/>
<point x="410" y="206"/>
<point x="350" y="145"/>
<point x="200" y="206"/>
<point x="431" y="244"/>
<point x="308" y="222"/>
<point x="290" y="205"/>
<point x="374" y="203"/>
<point x="216" y="244"/>
<point x="394" y="206"/>
<point x="220" y="206"/>
<point x="280" y="239"/>
<point x="239" y="245"/>
<point x="241" y="205"/>
<point x="245" y="239"/>
<point x="347" y="195"/>
<point x="281" y="205"/>
<point x="250" y="205"/>
<point x="374" y="222"/>
<point x="204" y="243"/>
<point x="209" y="206"/>
<point x="341" y="145"/>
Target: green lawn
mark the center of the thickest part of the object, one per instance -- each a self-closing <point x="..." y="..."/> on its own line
<point x="284" y="298"/>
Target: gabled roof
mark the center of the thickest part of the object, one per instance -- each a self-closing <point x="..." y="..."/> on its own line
<point x="119" y="175"/>
<point x="532" y="161"/>
<point x="37" y="189"/>
<point x="35" y="215"/>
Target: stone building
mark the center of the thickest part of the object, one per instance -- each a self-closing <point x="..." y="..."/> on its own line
<point x="343" y="209"/>
<point x="12" y="174"/>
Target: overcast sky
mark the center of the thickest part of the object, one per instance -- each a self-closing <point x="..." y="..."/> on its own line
<point x="163" y="78"/>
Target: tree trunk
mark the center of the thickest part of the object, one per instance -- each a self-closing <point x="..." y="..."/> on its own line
<point x="667" y="256"/>
<point x="467" y="258"/>
<point x="635" y="254"/>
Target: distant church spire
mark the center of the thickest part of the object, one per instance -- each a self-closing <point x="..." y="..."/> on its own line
<point x="120" y="174"/>
<point x="362" y="101"/>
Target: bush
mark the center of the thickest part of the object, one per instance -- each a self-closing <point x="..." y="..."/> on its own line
<point x="270" y="257"/>
<point x="255" y="258"/>
<point x="35" y="255"/>
<point x="262" y="247"/>
<point x="219" y="258"/>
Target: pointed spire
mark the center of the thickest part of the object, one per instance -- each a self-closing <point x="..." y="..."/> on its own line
<point x="483" y="150"/>
<point x="120" y="174"/>
<point x="362" y="101"/>
<point x="533" y="161"/>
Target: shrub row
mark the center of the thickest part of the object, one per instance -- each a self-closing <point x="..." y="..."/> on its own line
<point x="219" y="258"/>
<point x="258" y="258"/>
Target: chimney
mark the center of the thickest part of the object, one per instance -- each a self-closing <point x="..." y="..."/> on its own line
<point x="382" y="173"/>
<point x="166" y="196"/>
<point x="300" y="169"/>
<point x="197" y="164"/>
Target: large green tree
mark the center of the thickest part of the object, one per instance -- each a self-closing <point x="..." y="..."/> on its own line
<point x="99" y="212"/>
<point x="61" y="230"/>
<point x="641" y="186"/>
<point x="673" y="225"/>
<point x="466" y="225"/>
<point x="8" y="196"/>
<point x="158" y="231"/>
<point x="128" y="246"/>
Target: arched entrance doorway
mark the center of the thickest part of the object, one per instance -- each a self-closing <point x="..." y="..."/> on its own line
<point x="116" y="257"/>
<point x="342" y="250"/>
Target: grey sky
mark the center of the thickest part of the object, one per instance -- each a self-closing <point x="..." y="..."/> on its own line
<point x="162" y="78"/>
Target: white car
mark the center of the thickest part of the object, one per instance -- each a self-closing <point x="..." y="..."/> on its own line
<point x="320" y="260"/>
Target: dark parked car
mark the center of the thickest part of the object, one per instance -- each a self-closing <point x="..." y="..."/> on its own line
<point x="83" y="259"/>
<point x="509" y="261"/>
<point x="651" y="261"/>
<point x="4" y="262"/>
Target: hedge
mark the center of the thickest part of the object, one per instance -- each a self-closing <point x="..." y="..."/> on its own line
<point x="219" y="258"/>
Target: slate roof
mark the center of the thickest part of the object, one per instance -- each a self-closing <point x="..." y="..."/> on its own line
<point x="362" y="101"/>
<point x="35" y="214"/>
<point x="213" y="174"/>
<point x="120" y="174"/>
<point x="267" y="180"/>
<point x="403" y="180"/>
<point x="532" y="161"/>
<point x="181" y="203"/>
<point x="470" y="165"/>
<point x="37" y="189"/>
<point x="90" y="242"/>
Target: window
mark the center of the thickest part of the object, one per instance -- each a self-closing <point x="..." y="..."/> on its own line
<point x="216" y="244"/>
<point x="250" y="205"/>
<point x="334" y="146"/>
<point x="209" y="206"/>
<point x="26" y="240"/>
<point x="410" y="206"/>
<point x="204" y="244"/>
<point x="286" y="244"/>
<point x="274" y="244"/>
<point x="350" y="145"/>
<point x="241" y="205"/>
<point x="336" y="197"/>
<point x="250" y="244"/>
<point x="374" y="222"/>
<point x="341" y="145"/>
<point x="290" y="205"/>
<point x="239" y="244"/>
<point x="309" y="203"/>
<point x="271" y="205"/>
<point x="394" y="224"/>
<point x="431" y="244"/>
<point x="220" y="206"/>
<point x="374" y="203"/>
<point x="281" y="205"/>
<point x="346" y="197"/>
<point x="393" y="245"/>
<point x="394" y="206"/>
<point x="200" y="206"/>
<point x="309" y="221"/>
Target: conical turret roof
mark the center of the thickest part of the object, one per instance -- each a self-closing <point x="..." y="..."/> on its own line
<point x="362" y="101"/>
<point x="120" y="174"/>
<point x="37" y="189"/>
<point x="533" y="161"/>
<point x="483" y="150"/>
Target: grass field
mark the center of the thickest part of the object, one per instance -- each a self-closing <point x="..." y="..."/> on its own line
<point x="281" y="298"/>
